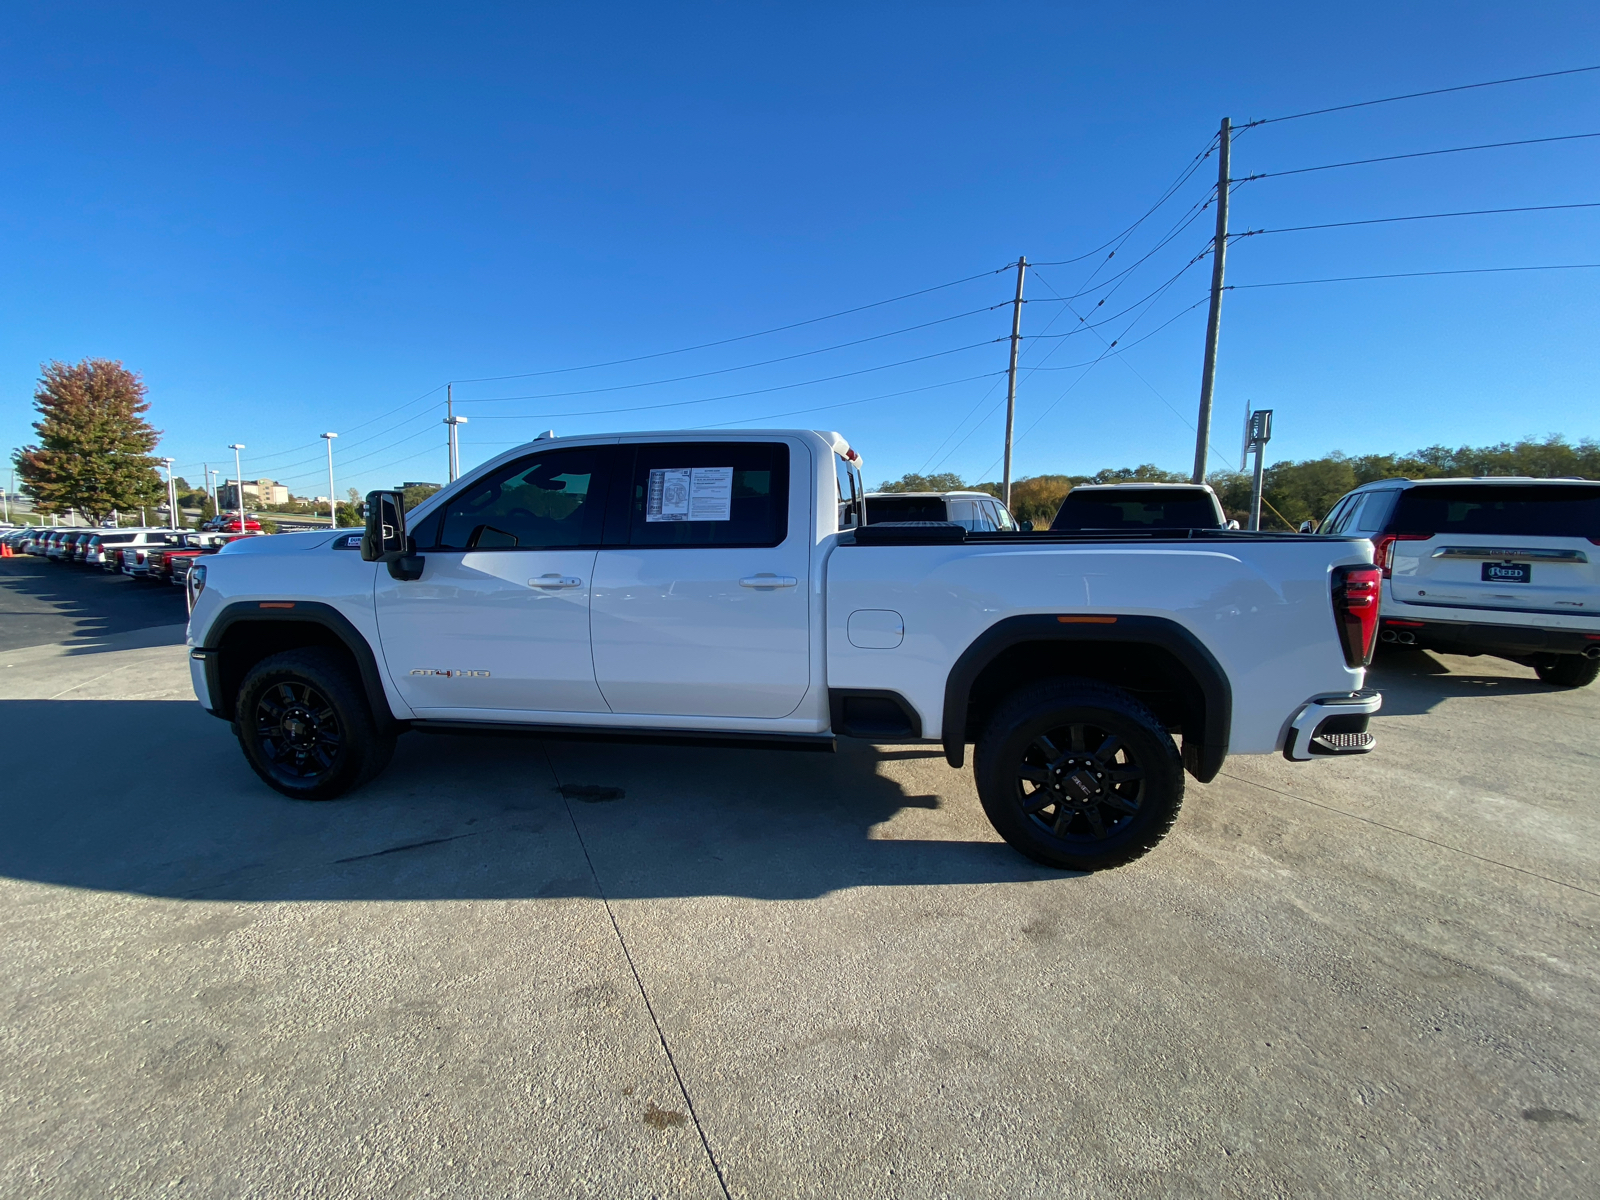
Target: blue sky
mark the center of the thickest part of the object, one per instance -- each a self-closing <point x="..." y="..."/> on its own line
<point x="299" y="218"/>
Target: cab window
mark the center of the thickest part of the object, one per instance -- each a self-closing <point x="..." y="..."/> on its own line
<point x="554" y="500"/>
<point x="705" y="494"/>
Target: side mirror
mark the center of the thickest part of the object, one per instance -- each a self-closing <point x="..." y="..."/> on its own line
<point x="1308" y="527"/>
<point x="1025" y="526"/>
<point x="385" y="538"/>
<point x="1232" y="525"/>
<point x="386" y="526"/>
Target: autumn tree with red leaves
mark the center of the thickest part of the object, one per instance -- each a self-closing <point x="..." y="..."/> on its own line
<point x="94" y="450"/>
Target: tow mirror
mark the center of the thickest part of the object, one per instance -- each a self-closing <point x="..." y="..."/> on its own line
<point x="385" y="538"/>
<point x="1308" y="527"/>
<point x="1025" y="526"/>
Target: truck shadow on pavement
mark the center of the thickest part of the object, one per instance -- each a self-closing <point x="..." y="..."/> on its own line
<point x="166" y="806"/>
<point x="1414" y="682"/>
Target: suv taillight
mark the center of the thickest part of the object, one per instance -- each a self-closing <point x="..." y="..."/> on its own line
<point x="1355" y="610"/>
<point x="1383" y="548"/>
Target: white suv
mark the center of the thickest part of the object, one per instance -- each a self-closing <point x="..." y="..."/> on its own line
<point x="1501" y="565"/>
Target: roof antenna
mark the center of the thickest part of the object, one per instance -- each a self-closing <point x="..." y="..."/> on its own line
<point x="548" y="433"/>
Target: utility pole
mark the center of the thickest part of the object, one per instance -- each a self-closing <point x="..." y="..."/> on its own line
<point x="238" y="482"/>
<point x="212" y="476"/>
<point x="1258" y="432"/>
<point x="1011" y="377"/>
<point x="1219" y="254"/>
<point x="450" y="431"/>
<point x="333" y="499"/>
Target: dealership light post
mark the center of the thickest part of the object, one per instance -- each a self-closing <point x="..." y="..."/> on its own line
<point x="333" y="498"/>
<point x="238" y="480"/>
<point x="172" y="496"/>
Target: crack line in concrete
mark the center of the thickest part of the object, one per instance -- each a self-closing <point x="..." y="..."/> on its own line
<point x="1493" y="862"/>
<point x="639" y="983"/>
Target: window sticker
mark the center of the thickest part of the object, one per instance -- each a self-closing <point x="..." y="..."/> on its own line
<point x="690" y="494"/>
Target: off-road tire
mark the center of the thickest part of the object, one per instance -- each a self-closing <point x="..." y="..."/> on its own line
<point x="1568" y="670"/>
<point x="1071" y="785"/>
<point x="306" y="728"/>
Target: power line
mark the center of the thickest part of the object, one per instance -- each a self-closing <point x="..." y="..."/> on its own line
<point x="1183" y="177"/>
<point x="1419" y="275"/>
<point x="737" y="395"/>
<point x="743" y="337"/>
<point x="1361" y="162"/>
<point x="848" y="403"/>
<point x="1480" y="212"/>
<point x="1465" y="87"/>
<point x="624" y="387"/>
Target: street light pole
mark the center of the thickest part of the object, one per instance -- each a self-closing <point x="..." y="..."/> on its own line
<point x="333" y="499"/>
<point x="172" y="496"/>
<point x="238" y="480"/>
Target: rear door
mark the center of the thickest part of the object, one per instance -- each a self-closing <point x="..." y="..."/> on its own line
<point x="701" y="596"/>
<point x="1513" y="547"/>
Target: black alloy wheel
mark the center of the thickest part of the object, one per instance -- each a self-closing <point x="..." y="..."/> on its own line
<point x="1080" y="780"/>
<point x="297" y="729"/>
<point x="1077" y="774"/>
<point x="305" y="726"/>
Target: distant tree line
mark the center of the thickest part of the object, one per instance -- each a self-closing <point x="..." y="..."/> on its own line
<point x="1297" y="491"/>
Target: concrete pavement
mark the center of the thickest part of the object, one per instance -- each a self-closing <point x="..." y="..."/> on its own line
<point x="787" y="975"/>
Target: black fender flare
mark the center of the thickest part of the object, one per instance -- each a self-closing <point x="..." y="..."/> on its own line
<point x="302" y="612"/>
<point x="1203" y="755"/>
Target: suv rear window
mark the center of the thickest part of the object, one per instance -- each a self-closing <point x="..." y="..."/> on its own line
<point x="1155" y="508"/>
<point x="1551" y="510"/>
<point x="905" y="508"/>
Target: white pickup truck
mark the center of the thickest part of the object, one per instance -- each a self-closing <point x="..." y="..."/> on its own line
<point x="721" y="587"/>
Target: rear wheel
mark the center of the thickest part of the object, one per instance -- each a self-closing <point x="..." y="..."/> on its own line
<point x="1077" y="774"/>
<point x="1568" y="670"/>
<point x="306" y="728"/>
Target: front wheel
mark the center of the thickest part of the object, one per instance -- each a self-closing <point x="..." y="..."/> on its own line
<point x="1077" y="774"/>
<point x="306" y="728"/>
<point x="1568" y="670"/>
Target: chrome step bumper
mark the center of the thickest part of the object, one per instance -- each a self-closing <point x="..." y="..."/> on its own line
<point x="1331" y="725"/>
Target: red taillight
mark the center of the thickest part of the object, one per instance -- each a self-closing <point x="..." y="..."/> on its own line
<point x="1383" y="547"/>
<point x="1355" y="610"/>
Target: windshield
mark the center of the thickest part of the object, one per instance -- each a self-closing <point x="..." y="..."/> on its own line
<point x="1134" y="508"/>
<point x="1533" y="510"/>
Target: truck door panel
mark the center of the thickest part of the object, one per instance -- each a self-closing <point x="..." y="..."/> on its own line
<point x="500" y="617"/>
<point x="701" y="601"/>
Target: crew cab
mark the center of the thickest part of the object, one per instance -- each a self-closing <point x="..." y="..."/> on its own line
<point x="722" y="588"/>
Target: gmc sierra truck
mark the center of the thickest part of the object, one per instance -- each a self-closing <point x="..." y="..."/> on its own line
<point x="723" y="588"/>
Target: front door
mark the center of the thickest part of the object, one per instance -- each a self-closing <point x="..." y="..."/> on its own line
<point x="701" y="600"/>
<point x="500" y="618"/>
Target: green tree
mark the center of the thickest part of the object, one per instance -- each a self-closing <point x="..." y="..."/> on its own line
<point x="418" y="492"/>
<point x="912" y="482"/>
<point x="94" y="448"/>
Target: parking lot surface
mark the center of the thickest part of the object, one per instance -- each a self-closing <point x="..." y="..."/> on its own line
<point x="42" y="601"/>
<point x="525" y="968"/>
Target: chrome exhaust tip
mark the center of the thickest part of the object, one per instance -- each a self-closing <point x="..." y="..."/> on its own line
<point x="1389" y="635"/>
<point x="1592" y="652"/>
<point x="1407" y="638"/>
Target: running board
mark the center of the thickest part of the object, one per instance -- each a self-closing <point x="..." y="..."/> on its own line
<point x="720" y="738"/>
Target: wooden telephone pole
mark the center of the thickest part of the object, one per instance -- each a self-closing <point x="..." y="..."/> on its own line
<point x="1219" y="254"/>
<point x="1011" y="381"/>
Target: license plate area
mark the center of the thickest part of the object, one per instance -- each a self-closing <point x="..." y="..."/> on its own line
<point x="1507" y="572"/>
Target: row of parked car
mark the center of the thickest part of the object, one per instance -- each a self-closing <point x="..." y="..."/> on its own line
<point x="150" y="555"/>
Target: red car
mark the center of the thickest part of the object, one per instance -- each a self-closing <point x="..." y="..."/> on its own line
<point x="163" y="565"/>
